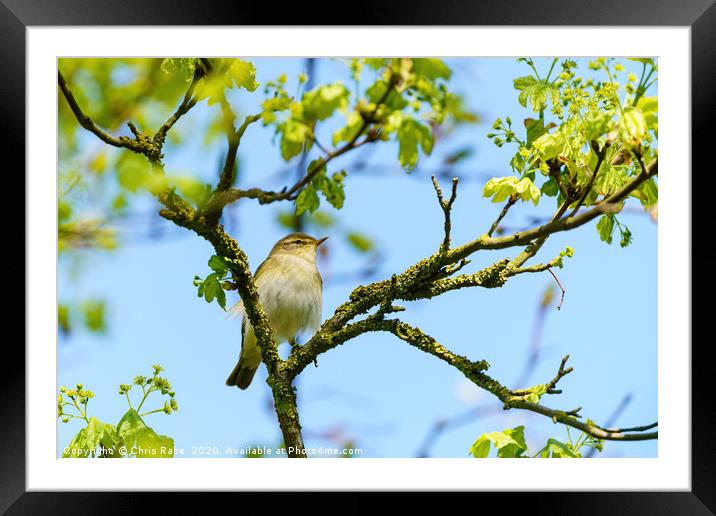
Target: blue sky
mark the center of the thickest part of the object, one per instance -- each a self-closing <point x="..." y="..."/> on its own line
<point x="376" y="391"/>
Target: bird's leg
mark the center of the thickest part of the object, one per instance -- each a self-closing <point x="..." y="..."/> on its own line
<point x="293" y="342"/>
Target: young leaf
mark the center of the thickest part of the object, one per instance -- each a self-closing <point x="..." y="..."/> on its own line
<point x="140" y="440"/>
<point x="510" y="443"/>
<point x="321" y="102"/>
<point x="549" y="145"/>
<point x="84" y="444"/>
<point x="332" y="188"/>
<point x="361" y="242"/>
<point x="243" y="74"/>
<point x="431" y="68"/>
<point x="412" y="134"/>
<point x="632" y="127"/>
<point x="558" y="450"/>
<point x="605" y="228"/>
<point x="307" y="200"/>
<point x="219" y="264"/>
<point x="293" y="138"/>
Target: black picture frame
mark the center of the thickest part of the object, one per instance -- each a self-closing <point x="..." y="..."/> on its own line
<point x="699" y="15"/>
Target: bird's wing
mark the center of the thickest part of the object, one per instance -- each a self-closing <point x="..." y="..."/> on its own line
<point x="260" y="268"/>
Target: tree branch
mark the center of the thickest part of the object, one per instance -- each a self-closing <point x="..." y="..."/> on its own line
<point x="610" y="205"/>
<point x="474" y="372"/>
<point x="428" y="278"/>
<point x="86" y="122"/>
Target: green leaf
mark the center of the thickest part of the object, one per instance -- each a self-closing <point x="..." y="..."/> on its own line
<point x="609" y="179"/>
<point x="510" y="443"/>
<point x="596" y="123"/>
<point x="212" y="290"/>
<point x="64" y="211"/>
<point x="375" y="63"/>
<point x="354" y="123"/>
<point x="192" y="189"/>
<point x="140" y="440"/>
<point x="293" y="138"/>
<point x="361" y="242"/>
<point x="649" y="106"/>
<point x="550" y="187"/>
<point x="377" y="91"/>
<point x="307" y="200"/>
<point x="431" y="68"/>
<point x="132" y="171"/>
<point x="321" y="102"/>
<point x="535" y="129"/>
<point x="332" y="188"/>
<point x="219" y="264"/>
<point x="243" y="74"/>
<point x="412" y="134"/>
<point x="645" y="60"/>
<point x="537" y="93"/>
<point x="520" y="83"/>
<point x="632" y="126"/>
<point x="527" y="191"/>
<point x="94" y="315"/>
<point x="63" y="318"/>
<point x="537" y="391"/>
<point x="549" y="145"/>
<point x="85" y="443"/>
<point x="480" y="448"/>
<point x="183" y="65"/>
<point x="647" y="193"/>
<point x="322" y="219"/>
<point x="558" y="450"/>
<point x="605" y="228"/>
<point x="500" y="188"/>
<point x="626" y="236"/>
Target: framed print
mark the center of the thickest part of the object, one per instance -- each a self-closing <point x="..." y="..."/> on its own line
<point x="431" y="249"/>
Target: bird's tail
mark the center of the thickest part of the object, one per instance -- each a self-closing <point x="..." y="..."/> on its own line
<point x="242" y="375"/>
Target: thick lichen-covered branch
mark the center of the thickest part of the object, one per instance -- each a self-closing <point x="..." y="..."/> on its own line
<point x="474" y="371"/>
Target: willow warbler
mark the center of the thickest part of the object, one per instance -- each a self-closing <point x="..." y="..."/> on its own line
<point x="290" y="291"/>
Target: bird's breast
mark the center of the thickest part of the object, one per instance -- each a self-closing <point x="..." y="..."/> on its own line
<point x="290" y="292"/>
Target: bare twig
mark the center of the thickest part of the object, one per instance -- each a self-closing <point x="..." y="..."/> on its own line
<point x="561" y="287"/>
<point x="510" y="202"/>
<point x="446" y="206"/>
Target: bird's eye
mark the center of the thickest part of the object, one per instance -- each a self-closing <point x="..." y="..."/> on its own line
<point x="296" y="241"/>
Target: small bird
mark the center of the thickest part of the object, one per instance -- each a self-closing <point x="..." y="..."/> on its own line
<point x="290" y="291"/>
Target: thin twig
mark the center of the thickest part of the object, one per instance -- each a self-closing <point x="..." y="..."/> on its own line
<point x="510" y="202"/>
<point x="633" y="428"/>
<point x="559" y="283"/>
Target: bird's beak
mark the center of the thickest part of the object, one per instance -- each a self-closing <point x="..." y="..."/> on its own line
<point x="320" y="241"/>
